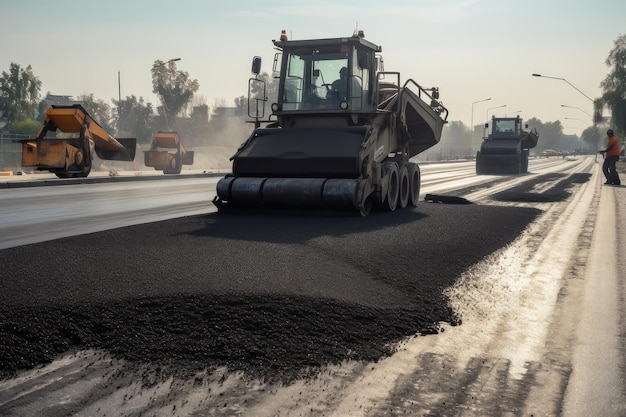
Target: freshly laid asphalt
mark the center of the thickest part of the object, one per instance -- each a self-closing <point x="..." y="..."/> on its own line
<point x="276" y="295"/>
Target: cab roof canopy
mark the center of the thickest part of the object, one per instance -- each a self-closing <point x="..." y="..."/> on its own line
<point x="330" y="43"/>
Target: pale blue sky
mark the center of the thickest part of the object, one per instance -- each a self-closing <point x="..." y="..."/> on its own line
<point x="470" y="49"/>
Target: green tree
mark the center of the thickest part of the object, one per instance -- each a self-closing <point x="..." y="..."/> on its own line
<point x="99" y="110"/>
<point x="26" y="126"/>
<point x="173" y="87"/>
<point x="19" y="94"/>
<point x="455" y="140"/>
<point x="591" y="137"/>
<point x="241" y="106"/>
<point x="550" y="134"/>
<point x="614" y="85"/>
<point x="256" y="92"/>
<point x="134" y="119"/>
<point x="271" y="88"/>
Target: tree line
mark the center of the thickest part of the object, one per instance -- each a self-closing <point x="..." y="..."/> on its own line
<point x="22" y="108"/>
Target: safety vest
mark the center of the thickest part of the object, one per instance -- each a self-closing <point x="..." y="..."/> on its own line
<point x="612" y="149"/>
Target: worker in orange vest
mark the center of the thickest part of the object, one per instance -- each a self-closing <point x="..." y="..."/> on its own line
<point x="611" y="156"/>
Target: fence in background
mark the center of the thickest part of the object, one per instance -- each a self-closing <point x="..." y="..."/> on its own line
<point x="11" y="151"/>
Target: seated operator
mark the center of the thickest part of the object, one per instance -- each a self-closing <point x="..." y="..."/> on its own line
<point x="339" y="87"/>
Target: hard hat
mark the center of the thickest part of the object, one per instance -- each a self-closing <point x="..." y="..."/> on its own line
<point x="609" y="132"/>
<point x="343" y="70"/>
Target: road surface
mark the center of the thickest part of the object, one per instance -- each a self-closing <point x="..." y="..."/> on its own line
<point x="508" y="306"/>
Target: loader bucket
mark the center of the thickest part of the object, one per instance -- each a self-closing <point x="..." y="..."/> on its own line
<point x="120" y="149"/>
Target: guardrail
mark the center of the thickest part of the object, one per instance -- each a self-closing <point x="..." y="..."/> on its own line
<point x="11" y="151"/>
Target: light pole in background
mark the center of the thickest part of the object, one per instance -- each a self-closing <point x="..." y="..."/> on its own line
<point x="492" y="108"/>
<point x="572" y="118"/>
<point x="119" y="87"/>
<point x="574" y="107"/>
<point x="563" y="79"/>
<point x="119" y="99"/>
<point x="571" y="85"/>
<point x="472" y="125"/>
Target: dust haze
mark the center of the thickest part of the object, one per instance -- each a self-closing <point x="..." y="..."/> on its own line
<point x="211" y="152"/>
<point x="221" y="146"/>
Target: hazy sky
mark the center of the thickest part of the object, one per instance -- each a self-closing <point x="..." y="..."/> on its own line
<point x="470" y="49"/>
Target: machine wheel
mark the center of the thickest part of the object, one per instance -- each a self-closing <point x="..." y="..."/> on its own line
<point x="84" y="165"/>
<point x="404" y="186"/>
<point x="479" y="164"/>
<point x="414" y="184"/>
<point x="517" y="166"/>
<point x="85" y="161"/>
<point x="391" y="198"/>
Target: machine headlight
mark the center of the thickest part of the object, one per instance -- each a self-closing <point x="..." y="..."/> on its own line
<point x="275" y="107"/>
<point x="343" y="105"/>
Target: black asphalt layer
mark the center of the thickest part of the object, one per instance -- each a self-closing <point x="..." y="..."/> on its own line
<point x="277" y="295"/>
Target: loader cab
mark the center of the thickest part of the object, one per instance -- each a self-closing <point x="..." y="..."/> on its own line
<point x="325" y="75"/>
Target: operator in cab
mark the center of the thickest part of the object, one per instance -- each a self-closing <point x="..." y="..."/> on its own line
<point x="339" y="87"/>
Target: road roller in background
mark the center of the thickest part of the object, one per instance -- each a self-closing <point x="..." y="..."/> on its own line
<point x="341" y="133"/>
<point x="167" y="153"/>
<point x="506" y="146"/>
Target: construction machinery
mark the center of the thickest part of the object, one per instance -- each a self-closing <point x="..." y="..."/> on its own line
<point x="160" y="157"/>
<point x="328" y="144"/>
<point x="505" y="147"/>
<point x="70" y="154"/>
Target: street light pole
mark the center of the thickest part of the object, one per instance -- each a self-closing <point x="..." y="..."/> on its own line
<point x="563" y="79"/>
<point x="469" y="148"/>
<point x="572" y="118"/>
<point x="573" y="107"/>
<point x="492" y="108"/>
<point x="479" y="101"/>
<point x="119" y="100"/>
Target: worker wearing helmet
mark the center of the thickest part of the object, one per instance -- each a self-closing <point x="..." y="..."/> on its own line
<point x="339" y="87"/>
<point x="339" y="90"/>
<point x="611" y="156"/>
